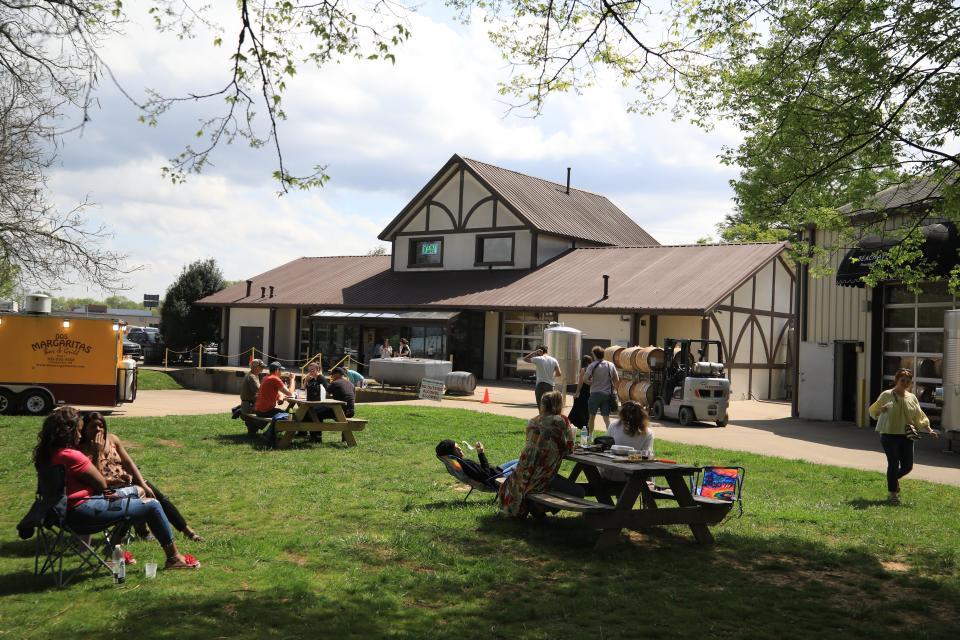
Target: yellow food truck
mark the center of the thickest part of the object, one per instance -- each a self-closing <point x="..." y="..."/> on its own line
<point x="62" y="359"/>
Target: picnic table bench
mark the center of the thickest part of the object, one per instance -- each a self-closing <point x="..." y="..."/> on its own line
<point x="610" y="516"/>
<point x="302" y="419"/>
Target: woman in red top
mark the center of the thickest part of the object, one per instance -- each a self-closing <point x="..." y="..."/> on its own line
<point x="87" y="506"/>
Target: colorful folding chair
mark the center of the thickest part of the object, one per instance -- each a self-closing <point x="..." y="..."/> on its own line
<point x="455" y="469"/>
<point x="720" y="483"/>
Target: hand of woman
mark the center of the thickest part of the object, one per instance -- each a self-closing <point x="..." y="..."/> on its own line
<point x="147" y="493"/>
<point x="933" y="433"/>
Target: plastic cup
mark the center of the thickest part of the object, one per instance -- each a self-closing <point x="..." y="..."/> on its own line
<point x="150" y="570"/>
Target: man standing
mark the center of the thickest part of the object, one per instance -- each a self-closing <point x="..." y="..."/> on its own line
<point x="548" y="369"/>
<point x="250" y="386"/>
<point x="272" y="390"/>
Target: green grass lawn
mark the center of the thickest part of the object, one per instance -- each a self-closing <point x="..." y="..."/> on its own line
<point x="151" y="380"/>
<point x="323" y="541"/>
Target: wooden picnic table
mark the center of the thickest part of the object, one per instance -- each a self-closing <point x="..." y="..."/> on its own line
<point x="305" y="420"/>
<point x="611" y="516"/>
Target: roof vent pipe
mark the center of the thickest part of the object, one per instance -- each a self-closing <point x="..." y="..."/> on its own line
<point x="271" y="291"/>
<point x="568" y="180"/>
<point x="606" y="286"/>
<point x="249" y="286"/>
<point x="263" y="292"/>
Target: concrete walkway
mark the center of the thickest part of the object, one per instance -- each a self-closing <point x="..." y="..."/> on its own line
<point x="758" y="427"/>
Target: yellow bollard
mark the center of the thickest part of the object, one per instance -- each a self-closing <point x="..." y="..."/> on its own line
<point x="200" y="356"/>
<point x="166" y="352"/>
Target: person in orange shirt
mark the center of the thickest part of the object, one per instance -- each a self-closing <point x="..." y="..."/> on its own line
<point x="272" y="390"/>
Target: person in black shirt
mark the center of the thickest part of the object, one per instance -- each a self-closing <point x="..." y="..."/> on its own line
<point x="314" y="381"/>
<point x="482" y="472"/>
<point x="339" y="388"/>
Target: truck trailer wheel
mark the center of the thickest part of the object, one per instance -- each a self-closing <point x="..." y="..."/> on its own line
<point x="37" y="402"/>
<point x="686" y="416"/>
<point x="8" y="402"/>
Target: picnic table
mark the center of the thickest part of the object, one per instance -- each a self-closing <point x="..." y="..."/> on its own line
<point x="304" y="420"/>
<point x="611" y="516"/>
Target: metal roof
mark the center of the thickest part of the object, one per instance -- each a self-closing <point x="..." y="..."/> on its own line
<point x="543" y="205"/>
<point x="688" y="279"/>
<point x="549" y="208"/>
<point x="913" y="193"/>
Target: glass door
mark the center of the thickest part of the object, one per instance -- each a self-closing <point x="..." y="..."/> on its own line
<point x="522" y="332"/>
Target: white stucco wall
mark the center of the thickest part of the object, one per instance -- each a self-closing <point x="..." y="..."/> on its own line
<point x="550" y="246"/>
<point x="459" y="251"/>
<point x="243" y="317"/>
<point x="599" y="326"/>
<point x="677" y="327"/>
<point x="286" y="342"/>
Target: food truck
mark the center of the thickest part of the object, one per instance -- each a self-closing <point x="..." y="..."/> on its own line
<point x="50" y="359"/>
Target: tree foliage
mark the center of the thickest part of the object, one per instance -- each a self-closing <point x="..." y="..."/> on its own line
<point x="835" y="100"/>
<point x="184" y="325"/>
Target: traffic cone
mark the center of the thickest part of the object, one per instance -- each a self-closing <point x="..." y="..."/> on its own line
<point x="486" y="396"/>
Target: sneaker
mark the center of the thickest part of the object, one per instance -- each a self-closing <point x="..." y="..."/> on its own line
<point x="893" y="498"/>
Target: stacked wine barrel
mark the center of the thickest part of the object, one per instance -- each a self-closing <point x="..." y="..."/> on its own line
<point x="636" y="364"/>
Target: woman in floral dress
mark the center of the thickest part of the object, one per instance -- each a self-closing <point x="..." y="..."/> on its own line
<point x="549" y="439"/>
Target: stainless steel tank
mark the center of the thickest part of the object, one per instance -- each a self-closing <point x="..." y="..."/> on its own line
<point x="408" y="371"/>
<point x="950" y="418"/>
<point x="563" y="343"/>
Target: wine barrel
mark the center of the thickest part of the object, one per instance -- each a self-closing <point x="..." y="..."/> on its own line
<point x="649" y="359"/>
<point x="623" y="390"/>
<point x="461" y="382"/>
<point x="642" y="392"/>
<point x="612" y="353"/>
<point x="627" y="360"/>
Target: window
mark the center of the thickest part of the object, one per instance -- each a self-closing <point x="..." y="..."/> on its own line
<point x="426" y="252"/>
<point x="495" y="249"/>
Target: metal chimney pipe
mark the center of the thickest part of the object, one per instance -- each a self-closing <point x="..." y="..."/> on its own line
<point x="263" y="292"/>
<point x="568" y="180"/>
<point x="606" y="286"/>
<point x="271" y="291"/>
<point x="249" y="287"/>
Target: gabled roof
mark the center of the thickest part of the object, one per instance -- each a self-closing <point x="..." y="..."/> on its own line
<point x="689" y="279"/>
<point x="545" y="206"/>
<point x="920" y="192"/>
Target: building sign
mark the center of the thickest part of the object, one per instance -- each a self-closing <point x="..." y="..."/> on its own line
<point x="151" y="300"/>
<point x="429" y="248"/>
<point x="431" y="390"/>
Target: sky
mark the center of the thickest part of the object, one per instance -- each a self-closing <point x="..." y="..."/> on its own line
<point x="382" y="131"/>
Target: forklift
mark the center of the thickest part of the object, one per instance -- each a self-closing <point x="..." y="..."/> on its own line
<point x="691" y="388"/>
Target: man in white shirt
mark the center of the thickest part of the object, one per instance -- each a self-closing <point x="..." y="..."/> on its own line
<point x="548" y="370"/>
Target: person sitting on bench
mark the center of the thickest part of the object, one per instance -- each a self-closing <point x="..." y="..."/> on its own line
<point x="482" y="472"/>
<point x="272" y="390"/>
<point x="341" y="389"/>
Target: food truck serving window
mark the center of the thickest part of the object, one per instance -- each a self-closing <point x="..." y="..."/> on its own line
<point x="426" y="252"/>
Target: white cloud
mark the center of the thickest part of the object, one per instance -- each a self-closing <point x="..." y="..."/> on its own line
<point x="382" y="130"/>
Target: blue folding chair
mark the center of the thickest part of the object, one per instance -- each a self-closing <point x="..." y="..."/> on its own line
<point x="455" y="469"/>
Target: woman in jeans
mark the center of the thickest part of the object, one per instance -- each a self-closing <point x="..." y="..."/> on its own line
<point x="121" y="473"/>
<point x="603" y="379"/>
<point x="90" y="504"/>
<point x="900" y="409"/>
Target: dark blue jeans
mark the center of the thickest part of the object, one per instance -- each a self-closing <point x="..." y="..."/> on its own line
<point x="899" y="450"/>
<point x="97" y="512"/>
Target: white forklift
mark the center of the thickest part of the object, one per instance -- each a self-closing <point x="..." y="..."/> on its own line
<point x="690" y="388"/>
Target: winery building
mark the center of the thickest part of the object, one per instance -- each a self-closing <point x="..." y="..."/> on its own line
<point x="484" y="258"/>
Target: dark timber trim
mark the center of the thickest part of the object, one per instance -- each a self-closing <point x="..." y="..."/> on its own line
<point x="477" y="205"/>
<point x="478" y="260"/>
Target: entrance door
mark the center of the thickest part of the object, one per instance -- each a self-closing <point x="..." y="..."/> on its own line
<point x="845" y="374"/>
<point x="816" y="381"/>
<point x="251" y="338"/>
<point x="589" y="343"/>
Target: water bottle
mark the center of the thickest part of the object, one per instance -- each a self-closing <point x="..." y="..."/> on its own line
<point x="119" y="566"/>
<point x="584" y="437"/>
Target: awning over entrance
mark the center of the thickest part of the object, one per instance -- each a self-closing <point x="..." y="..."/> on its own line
<point x="345" y="316"/>
<point x="940" y="245"/>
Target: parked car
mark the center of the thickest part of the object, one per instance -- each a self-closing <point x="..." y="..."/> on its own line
<point x="132" y="349"/>
<point x="150" y="341"/>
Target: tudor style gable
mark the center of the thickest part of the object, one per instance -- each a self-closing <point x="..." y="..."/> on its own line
<point x="472" y="215"/>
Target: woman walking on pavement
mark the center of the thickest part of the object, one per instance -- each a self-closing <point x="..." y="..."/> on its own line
<point x="898" y="413"/>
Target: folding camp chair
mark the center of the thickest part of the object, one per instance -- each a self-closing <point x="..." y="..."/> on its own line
<point x="720" y="483"/>
<point x="55" y="538"/>
<point x="455" y="469"/>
